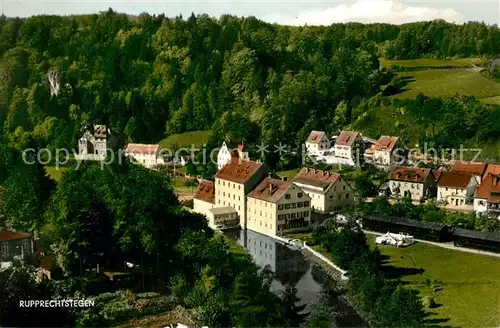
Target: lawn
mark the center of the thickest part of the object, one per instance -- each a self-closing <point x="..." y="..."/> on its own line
<point x="446" y="83"/>
<point x="289" y="174"/>
<point x="426" y="62"/>
<point x="468" y="288"/>
<point x="186" y="139"/>
<point x="491" y="100"/>
<point x="55" y="173"/>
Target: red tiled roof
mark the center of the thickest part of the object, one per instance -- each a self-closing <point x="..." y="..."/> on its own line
<point x="385" y="143"/>
<point x="437" y="174"/>
<point x="142" y="149"/>
<point x="315" y="137"/>
<point x="476" y="168"/>
<point x="205" y="192"/>
<point x="409" y="174"/>
<point x="489" y="188"/>
<point x="455" y="179"/>
<point x="316" y="177"/>
<point x="492" y="169"/>
<point x="12" y="235"/>
<point x="346" y="138"/>
<point x="238" y="171"/>
<point x="271" y="190"/>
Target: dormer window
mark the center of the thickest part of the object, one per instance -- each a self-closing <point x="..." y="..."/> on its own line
<point x="287" y="196"/>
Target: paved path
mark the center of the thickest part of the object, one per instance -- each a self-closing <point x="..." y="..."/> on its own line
<point x="445" y="245"/>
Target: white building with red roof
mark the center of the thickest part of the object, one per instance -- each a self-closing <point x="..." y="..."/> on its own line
<point x="487" y="196"/>
<point x="317" y="142"/>
<point x="387" y="151"/>
<point x="328" y="191"/>
<point x="146" y="155"/>
<point x="347" y="144"/>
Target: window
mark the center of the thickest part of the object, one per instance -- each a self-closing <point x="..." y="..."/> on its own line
<point x="287" y="216"/>
<point x="234" y="196"/>
<point x="260" y="213"/>
<point x="306" y="214"/>
<point x="300" y="204"/>
<point x="265" y="204"/>
<point x="224" y="203"/>
<point x="294" y="215"/>
<point x="223" y="183"/>
<point x="218" y="182"/>
<point x="239" y="197"/>
<point x="261" y="226"/>
<point x="294" y="205"/>
<point x="5" y="249"/>
<point x="224" y="194"/>
<point x="346" y="196"/>
<point x="306" y="203"/>
<point x="299" y="195"/>
<point x="343" y="188"/>
<point x="331" y="196"/>
<point x="339" y="197"/>
<point x="280" y="207"/>
<point x="287" y="196"/>
<point x="287" y="206"/>
<point x="239" y="207"/>
<point x="446" y="188"/>
<point x="239" y="187"/>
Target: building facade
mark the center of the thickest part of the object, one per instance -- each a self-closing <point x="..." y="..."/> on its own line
<point x="234" y="181"/>
<point x="328" y="191"/>
<point x="386" y="152"/>
<point x="93" y="144"/>
<point x="456" y="188"/>
<point x="416" y="183"/>
<point x="317" y="142"/>
<point x="15" y="245"/>
<point x="348" y="144"/>
<point x="275" y="207"/>
<point x="222" y="218"/>
<point x="204" y="198"/>
<point x="145" y="155"/>
<point x="229" y="151"/>
<point x="487" y="196"/>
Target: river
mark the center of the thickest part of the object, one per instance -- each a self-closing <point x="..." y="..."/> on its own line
<point x="291" y="267"/>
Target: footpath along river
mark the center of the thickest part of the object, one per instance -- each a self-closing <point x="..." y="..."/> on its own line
<point x="291" y="267"/>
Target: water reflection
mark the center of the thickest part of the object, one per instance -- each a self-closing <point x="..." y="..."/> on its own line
<point x="290" y="267"/>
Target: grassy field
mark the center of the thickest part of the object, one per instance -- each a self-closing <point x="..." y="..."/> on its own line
<point x="55" y="173"/>
<point x="290" y="174"/>
<point x="491" y="100"/>
<point x="185" y="139"/>
<point x="468" y="288"/>
<point x="446" y="83"/>
<point x="425" y="62"/>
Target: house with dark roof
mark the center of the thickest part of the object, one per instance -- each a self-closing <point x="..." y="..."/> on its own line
<point x="488" y="241"/>
<point x="204" y="197"/>
<point x="348" y="144"/>
<point x="487" y="196"/>
<point x="317" y="142"/>
<point x="386" y="152"/>
<point x="234" y="181"/>
<point x="15" y="245"/>
<point x="456" y="188"/>
<point x="475" y="168"/>
<point x="416" y="183"/>
<point x="329" y="192"/>
<point x="276" y="206"/>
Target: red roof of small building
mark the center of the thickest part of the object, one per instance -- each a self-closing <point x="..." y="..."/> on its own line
<point x="316" y="177"/>
<point x="489" y="188"/>
<point x="346" y="138"/>
<point x="142" y="149"/>
<point x="455" y="180"/>
<point x="239" y="171"/>
<point x="271" y="190"/>
<point x="315" y="137"/>
<point x="8" y="235"/>
<point x="409" y="174"/>
<point x="476" y="168"/>
<point x="385" y="143"/>
<point x="205" y="192"/>
<point x="492" y="169"/>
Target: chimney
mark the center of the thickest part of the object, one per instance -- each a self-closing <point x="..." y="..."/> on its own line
<point x="271" y="187"/>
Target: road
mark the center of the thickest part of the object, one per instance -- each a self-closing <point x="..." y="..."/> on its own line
<point x="444" y="245"/>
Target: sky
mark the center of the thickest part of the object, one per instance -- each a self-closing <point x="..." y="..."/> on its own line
<point x="290" y="12"/>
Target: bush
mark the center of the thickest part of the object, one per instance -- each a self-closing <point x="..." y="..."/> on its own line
<point x="428" y="302"/>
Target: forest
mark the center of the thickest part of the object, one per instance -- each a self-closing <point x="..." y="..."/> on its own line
<point x="147" y="77"/>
